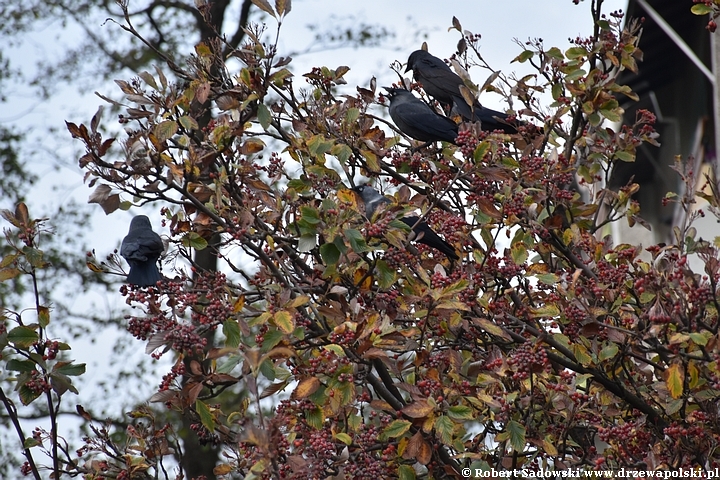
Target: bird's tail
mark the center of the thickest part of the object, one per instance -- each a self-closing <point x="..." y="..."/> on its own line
<point x="144" y="274"/>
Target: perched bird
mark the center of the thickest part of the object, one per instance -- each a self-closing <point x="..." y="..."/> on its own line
<point x="423" y="233"/>
<point x="414" y="118"/>
<point x="142" y="248"/>
<point x="441" y="83"/>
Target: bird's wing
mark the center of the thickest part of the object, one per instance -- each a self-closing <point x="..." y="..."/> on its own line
<point x="142" y="245"/>
<point x="422" y="123"/>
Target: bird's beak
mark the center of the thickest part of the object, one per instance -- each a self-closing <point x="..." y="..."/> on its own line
<point x="407" y="69"/>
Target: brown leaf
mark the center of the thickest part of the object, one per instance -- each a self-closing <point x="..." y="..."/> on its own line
<point x="306" y="387"/>
<point x="418" y="449"/>
<point x="420" y="409"/>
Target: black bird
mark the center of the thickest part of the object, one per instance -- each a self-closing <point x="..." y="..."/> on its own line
<point x="142" y="248"/>
<point x="423" y="233"/>
<point x="414" y="118"/>
<point x="441" y="83"/>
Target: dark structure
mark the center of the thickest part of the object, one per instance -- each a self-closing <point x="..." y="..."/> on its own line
<point x="677" y="83"/>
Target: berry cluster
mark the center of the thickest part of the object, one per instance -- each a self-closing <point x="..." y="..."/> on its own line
<point x="528" y="358"/>
<point x="205" y="436"/>
<point x="38" y="382"/>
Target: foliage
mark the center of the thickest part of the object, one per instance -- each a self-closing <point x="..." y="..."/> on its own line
<point x="381" y="358"/>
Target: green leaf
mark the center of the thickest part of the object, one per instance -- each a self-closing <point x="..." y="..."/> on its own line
<point x="517" y="435"/>
<point x="460" y="413"/>
<point x="624" y="156"/>
<point x="701" y="338"/>
<point x="188" y="123"/>
<point x="406" y="472"/>
<point x="205" y="415"/>
<point x="21" y="365"/>
<point x="69" y="368"/>
<point x="344" y="438"/>
<point x="231" y="330"/>
<point x="330" y="253"/>
<point x="194" y="240"/>
<point x="315" y="418"/>
<point x="445" y="427"/>
<point x="480" y="151"/>
<point x="357" y="241"/>
<point x="701" y="9"/>
<point x="22" y="337"/>
<point x="524" y="56"/>
<point x="165" y="130"/>
<point x="27" y="396"/>
<point x="31" y="442"/>
<point x="575" y="53"/>
<point x="34" y="256"/>
<point x="263" y="116"/>
<point x="310" y="215"/>
<point x="272" y="338"/>
<point x="396" y="428"/>
<point x="610" y="351"/>
<point x="519" y="253"/>
<point x="385" y="275"/>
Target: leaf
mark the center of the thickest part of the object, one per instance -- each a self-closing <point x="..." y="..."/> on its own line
<point x="610" y="351"/>
<point x="263" y="116"/>
<point x="16" y="365"/>
<point x="492" y="328"/>
<point x="386" y="276"/>
<point x="524" y="56"/>
<point x="264" y="5"/>
<point x="100" y="194"/>
<point x="344" y="438"/>
<point x="445" y="427"/>
<point x="330" y="253"/>
<point x="194" y="240"/>
<point x="284" y="321"/>
<point x="396" y="428"/>
<point x="517" y="435"/>
<point x="22" y="337"/>
<point x="550" y="310"/>
<point x="419" y="409"/>
<point x="674" y="380"/>
<point x="188" y="123"/>
<point x="306" y="387"/>
<point x="165" y="130"/>
<point x="459" y="413"/>
<point x="231" y="330"/>
<point x="69" y="368"/>
<point x="9" y="273"/>
<point x="205" y="415"/>
<point x="406" y="472"/>
<point x="701" y="9"/>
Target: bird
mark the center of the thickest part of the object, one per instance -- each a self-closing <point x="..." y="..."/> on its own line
<point x="416" y="119"/>
<point x="423" y="233"/>
<point x="142" y="248"/>
<point x="440" y="82"/>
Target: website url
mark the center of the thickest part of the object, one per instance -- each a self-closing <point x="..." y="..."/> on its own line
<point x="577" y="473"/>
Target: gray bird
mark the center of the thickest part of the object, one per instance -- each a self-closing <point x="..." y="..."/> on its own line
<point x="415" y="119"/>
<point x="441" y="83"/>
<point x="423" y="233"/>
<point x="142" y="248"/>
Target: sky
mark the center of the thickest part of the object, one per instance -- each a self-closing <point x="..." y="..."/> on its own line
<point x="499" y="22"/>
